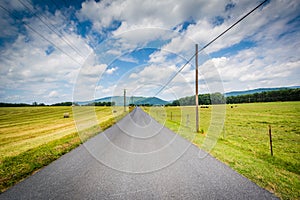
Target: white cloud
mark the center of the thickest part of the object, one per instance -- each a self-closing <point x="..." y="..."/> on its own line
<point x="105" y="91"/>
<point x="53" y="94"/>
<point x="39" y="69"/>
<point x="268" y="64"/>
<point x="111" y="70"/>
<point x="256" y="68"/>
<point x="9" y="30"/>
<point x="259" y="26"/>
<point x="114" y="52"/>
<point x="134" y="13"/>
<point x="133" y="76"/>
<point x="92" y="71"/>
<point x="25" y="65"/>
<point x="14" y="4"/>
<point x="147" y="80"/>
<point x="86" y="82"/>
<point x="158" y="74"/>
<point x="129" y="59"/>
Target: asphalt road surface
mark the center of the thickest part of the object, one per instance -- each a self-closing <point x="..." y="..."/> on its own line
<point x="136" y="159"/>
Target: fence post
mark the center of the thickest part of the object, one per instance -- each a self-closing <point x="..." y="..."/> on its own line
<point x="270" y="135"/>
<point x="187" y="120"/>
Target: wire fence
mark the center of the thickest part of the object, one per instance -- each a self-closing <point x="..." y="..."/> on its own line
<point x="246" y="126"/>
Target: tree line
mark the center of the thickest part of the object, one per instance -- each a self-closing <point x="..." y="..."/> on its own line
<point x="203" y="99"/>
<point x="218" y="98"/>
<point x="102" y="104"/>
<point x="68" y="103"/>
<point x="270" y="96"/>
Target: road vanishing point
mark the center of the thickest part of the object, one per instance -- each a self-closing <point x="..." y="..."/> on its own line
<point x="137" y="158"/>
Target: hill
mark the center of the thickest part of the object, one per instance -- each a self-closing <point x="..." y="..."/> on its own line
<point x="151" y="101"/>
<point x="258" y="90"/>
<point x="119" y="100"/>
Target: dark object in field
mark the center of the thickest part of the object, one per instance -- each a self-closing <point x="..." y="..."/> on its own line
<point x="204" y="107"/>
<point x="66" y="115"/>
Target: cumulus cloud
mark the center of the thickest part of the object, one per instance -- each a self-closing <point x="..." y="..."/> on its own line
<point x="111" y="70"/>
<point x="53" y="94"/>
<point x="256" y="68"/>
<point x="25" y="64"/>
<point x="164" y="14"/>
<point x="148" y="80"/>
<point x="250" y="68"/>
<point x="33" y="67"/>
<point x="128" y="59"/>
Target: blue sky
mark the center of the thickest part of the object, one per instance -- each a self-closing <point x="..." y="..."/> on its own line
<point x="53" y="51"/>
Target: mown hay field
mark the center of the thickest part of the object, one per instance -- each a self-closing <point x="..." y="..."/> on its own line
<point x="32" y="137"/>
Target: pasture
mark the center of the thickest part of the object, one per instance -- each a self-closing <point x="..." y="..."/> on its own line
<point x="243" y="143"/>
<point x="32" y="137"/>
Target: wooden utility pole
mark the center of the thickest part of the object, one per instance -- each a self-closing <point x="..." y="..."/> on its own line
<point x="196" y="96"/>
<point x="124" y="100"/>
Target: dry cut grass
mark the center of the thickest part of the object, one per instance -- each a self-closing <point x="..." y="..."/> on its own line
<point x="32" y="137"/>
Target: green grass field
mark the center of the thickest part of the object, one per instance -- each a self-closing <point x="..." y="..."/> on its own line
<point x="32" y="137"/>
<point x="243" y="143"/>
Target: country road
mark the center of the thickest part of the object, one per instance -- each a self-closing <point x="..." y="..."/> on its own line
<point x="136" y="159"/>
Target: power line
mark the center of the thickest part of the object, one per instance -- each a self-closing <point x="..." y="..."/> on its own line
<point x="61" y="36"/>
<point x="233" y="25"/>
<point x="209" y="43"/>
<point x="31" y="28"/>
<point x="174" y="75"/>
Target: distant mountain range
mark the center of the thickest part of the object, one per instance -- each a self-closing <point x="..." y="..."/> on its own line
<point x="259" y="90"/>
<point x="152" y="101"/>
<point x="119" y="100"/>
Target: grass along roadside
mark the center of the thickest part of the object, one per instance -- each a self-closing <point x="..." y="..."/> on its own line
<point x="33" y="137"/>
<point x="244" y="143"/>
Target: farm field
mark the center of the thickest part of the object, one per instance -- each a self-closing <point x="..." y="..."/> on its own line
<point x="243" y="143"/>
<point x="32" y="137"/>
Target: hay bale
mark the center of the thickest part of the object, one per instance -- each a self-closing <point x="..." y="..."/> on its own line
<point x="66" y="115"/>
